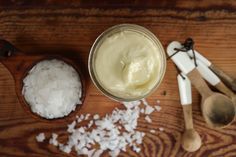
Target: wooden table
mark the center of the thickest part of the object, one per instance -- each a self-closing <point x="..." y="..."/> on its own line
<point x="71" y="27"/>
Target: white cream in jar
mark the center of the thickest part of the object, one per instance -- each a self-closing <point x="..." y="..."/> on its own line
<point x="127" y="64"/>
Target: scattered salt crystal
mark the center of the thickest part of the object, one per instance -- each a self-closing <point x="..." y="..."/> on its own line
<point x="79" y="120"/>
<point x="96" y="116"/>
<point x="90" y="123"/>
<point x="84" y="150"/>
<point x="148" y="119"/>
<point x="161" y="129"/>
<point x="142" y="110"/>
<point x="152" y="131"/>
<point x="71" y="127"/>
<point x="40" y="137"/>
<point x="143" y="134"/>
<point x="82" y="117"/>
<point x="52" y="89"/>
<point x="114" y="153"/>
<point x="149" y="109"/>
<point x="136" y="149"/>
<point x="158" y="101"/>
<point x="129" y="105"/>
<point x="87" y="116"/>
<point x="81" y="130"/>
<point x="98" y="153"/>
<point x="66" y="148"/>
<point x="90" y="153"/>
<point x="158" y="108"/>
<point x="88" y="146"/>
<point x="145" y="102"/>
<point x="53" y="139"/>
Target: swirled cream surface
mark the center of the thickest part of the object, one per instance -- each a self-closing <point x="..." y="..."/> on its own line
<point x="127" y="64"/>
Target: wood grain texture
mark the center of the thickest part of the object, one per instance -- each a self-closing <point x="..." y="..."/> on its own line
<point x="60" y="27"/>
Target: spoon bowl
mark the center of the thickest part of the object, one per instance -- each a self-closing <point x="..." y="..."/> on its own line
<point x="218" y="110"/>
<point x="191" y="141"/>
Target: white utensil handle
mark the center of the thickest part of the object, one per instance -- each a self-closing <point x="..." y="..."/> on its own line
<point x="181" y="59"/>
<point x="185" y="91"/>
<point x="200" y="57"/>
<point x="206" y="73"/>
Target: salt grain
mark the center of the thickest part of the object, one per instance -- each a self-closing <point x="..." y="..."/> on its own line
<point x="98" y="153"/>
<point x="161" y="129"/>
<point x="65" y="149"/>
<point x="142" y="110"/>
<point x="87" y="116"/>
<point x="149" y="110"/>
<point x="40" y="137"/>
<point x="90" y="123"/>
<point x="145" y="102"/>
<point x="158" y="108"/>
<point x="82" y="117"/>
<point x="136" y="149"/>
<point x="53" y="140"/>
<point x="96" y="116"/>
<point x="152" y="131"/>
<point x="148" y="119"/>
<point x="71" y="127"/>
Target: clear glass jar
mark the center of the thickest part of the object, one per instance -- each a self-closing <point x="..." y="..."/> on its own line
<point x="116" y="29"/>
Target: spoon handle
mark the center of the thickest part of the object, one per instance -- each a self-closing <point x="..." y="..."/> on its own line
<point x="213" y="79"/>
<point x="186" y="99"/>
<point x="199" y="83"/>
<point x="225" y="77"/>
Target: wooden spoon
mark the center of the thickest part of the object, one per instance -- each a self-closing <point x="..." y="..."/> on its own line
<point x="217" y="109"/>
<point x="19" y="64"/>
<point x="231" y="82"/>
<point x="191" y="140"/>
<point x="214" y="80"/>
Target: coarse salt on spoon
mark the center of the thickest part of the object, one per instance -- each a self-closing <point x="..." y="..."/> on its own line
<point x="20" y="65"/>
<point x="191" y="141"/>
<point x="217" y="109"/>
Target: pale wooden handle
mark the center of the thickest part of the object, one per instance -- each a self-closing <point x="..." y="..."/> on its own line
<point x="199" y="83"/>
<point x="226" y="78"/>
<point x="221" y="87"/>
<point x="188" y="119"/>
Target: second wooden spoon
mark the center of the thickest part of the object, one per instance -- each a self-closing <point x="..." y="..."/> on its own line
<point x="214" y="80"/>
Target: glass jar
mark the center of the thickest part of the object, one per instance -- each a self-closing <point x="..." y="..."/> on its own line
<point x="108" y="33"/>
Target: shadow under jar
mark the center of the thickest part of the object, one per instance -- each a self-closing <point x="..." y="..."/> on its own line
<point x="127" y="62"/>
<point x="19" y="65"/>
